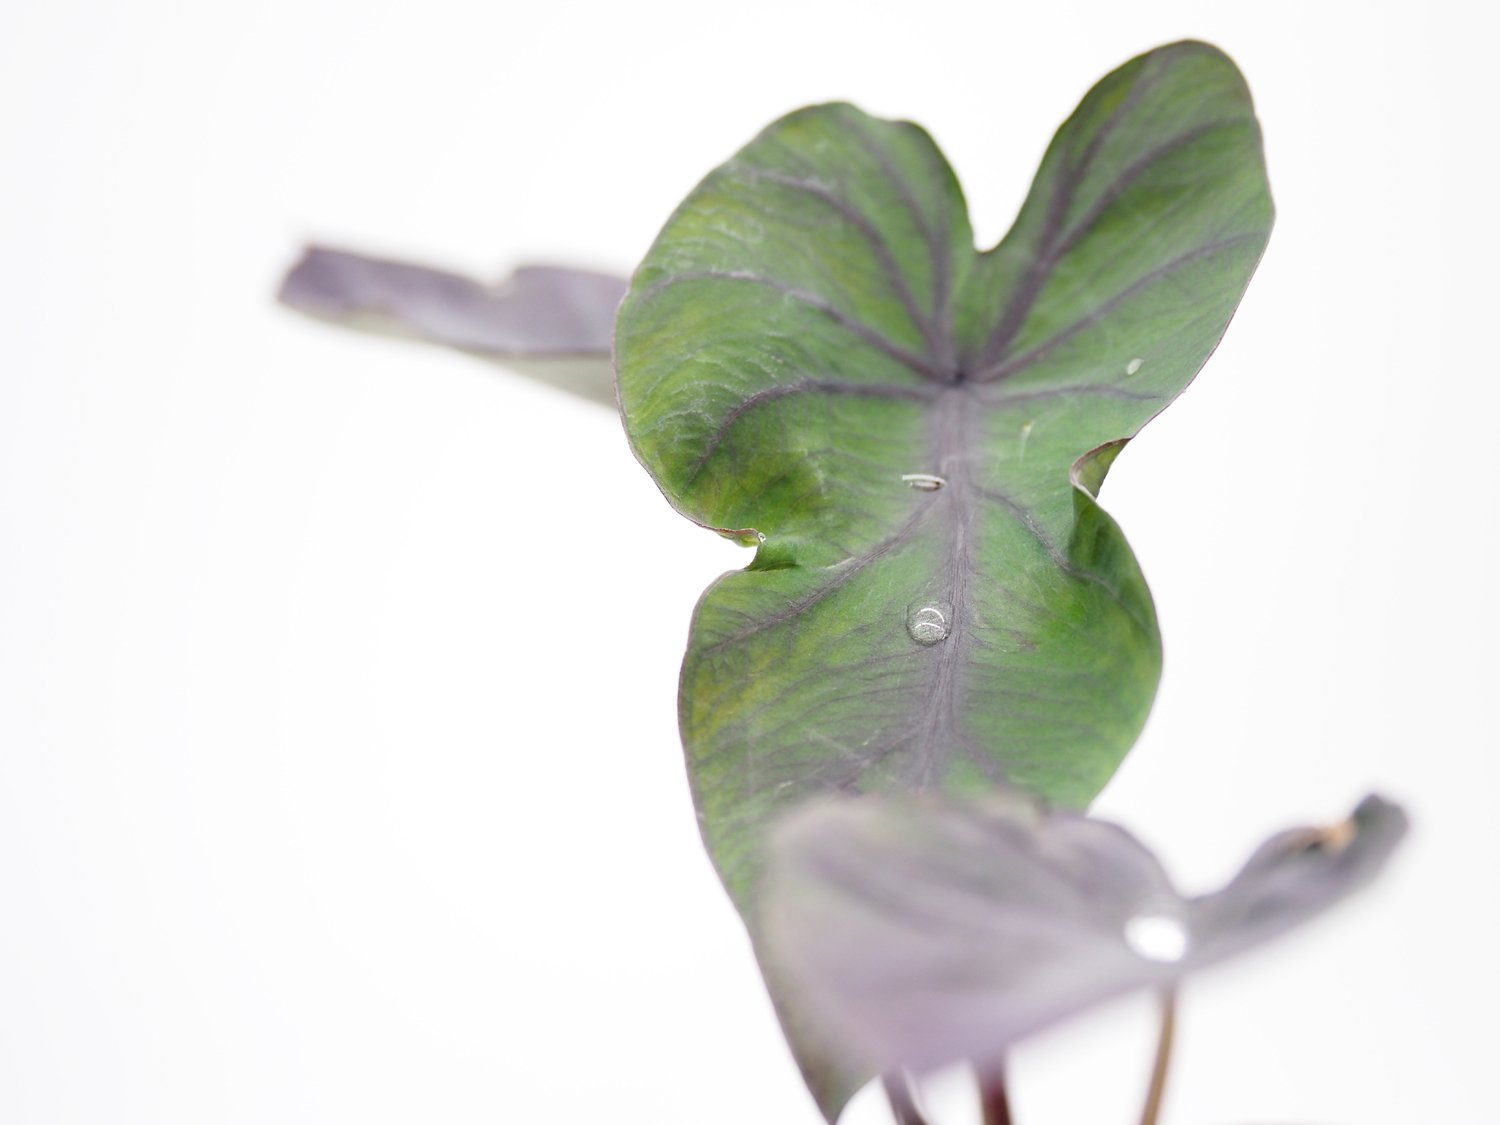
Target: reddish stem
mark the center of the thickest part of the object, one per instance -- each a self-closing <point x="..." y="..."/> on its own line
<point x="898" y="1093"/>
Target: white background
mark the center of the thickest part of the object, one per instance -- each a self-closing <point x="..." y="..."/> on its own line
<point x="339" y="777"/>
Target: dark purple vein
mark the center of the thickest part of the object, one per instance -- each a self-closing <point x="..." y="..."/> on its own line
<point x="917" y="363"/>
<point x="1027" y="519"/>
<point x="876" y="241"/>
<point x="939" y="260"/>
<point x="1030" y="288"/>
<point x="1027" y="358"/>
<point x="953" y="440"/>
<point x="1130" y="174"/>
<point x="979" y="754"/>
<point x="1145" y="81"/>
<point x="842" y="573"/>
<point x="922" y="392"/>
<point x="1064" y="188"/>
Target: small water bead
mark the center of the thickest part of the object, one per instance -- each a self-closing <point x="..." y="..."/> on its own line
<point x="924" y="482"/>
<point x="929" y="622"/>
<point x="1157" y="937"/>
<point x="744" y="536"/>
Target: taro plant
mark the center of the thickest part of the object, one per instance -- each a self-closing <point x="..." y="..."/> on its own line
<point x="943" y="646"/>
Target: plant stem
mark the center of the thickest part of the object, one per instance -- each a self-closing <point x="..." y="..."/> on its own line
<point x="1154" y="1092"/>
<point x="898" y="1093"/>
<point x="992" y="1099"/>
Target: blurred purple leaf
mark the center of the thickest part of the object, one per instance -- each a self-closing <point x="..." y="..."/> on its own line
<point x="918" y="931"/>
<point x="563" y="318"/>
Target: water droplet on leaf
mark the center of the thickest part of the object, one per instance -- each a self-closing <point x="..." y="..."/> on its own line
<point x="744" y="536"/>
<point x="929" y="622"/>
<point x="1157" y="937"/>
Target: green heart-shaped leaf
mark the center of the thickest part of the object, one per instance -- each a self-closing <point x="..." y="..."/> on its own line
<point x="813" y="353"/>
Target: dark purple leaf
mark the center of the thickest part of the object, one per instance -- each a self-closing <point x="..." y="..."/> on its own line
<point x="921" y="930"/>
<point x="563" y="316"/>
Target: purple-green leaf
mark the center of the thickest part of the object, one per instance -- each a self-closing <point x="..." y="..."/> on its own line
<point x="813" y="350"/>
<point x="920" y="930"/>
<point x="814" y="357"/>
